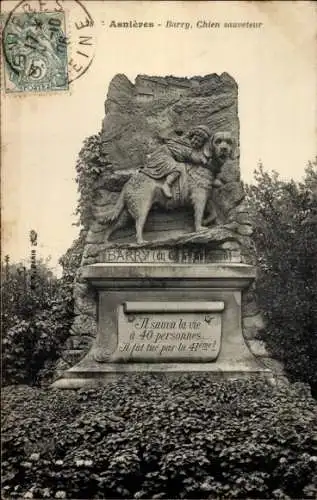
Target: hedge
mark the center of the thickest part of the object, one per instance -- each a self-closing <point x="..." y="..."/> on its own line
<point x="149" y="437"/>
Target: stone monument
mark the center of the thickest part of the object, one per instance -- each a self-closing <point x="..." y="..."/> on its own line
<point x="166" y="279"/>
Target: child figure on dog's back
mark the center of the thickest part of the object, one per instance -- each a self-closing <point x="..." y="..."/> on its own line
<point x="164" y="160"/>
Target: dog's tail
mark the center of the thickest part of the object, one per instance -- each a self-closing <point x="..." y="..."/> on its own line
<point x="118" y="208"/>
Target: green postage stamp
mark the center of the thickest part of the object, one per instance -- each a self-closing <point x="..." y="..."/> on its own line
<point x="35" y="52"/>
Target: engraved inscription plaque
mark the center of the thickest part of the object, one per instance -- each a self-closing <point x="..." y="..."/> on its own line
<point x="163" y="255"/>
<point x="168" y="331"/>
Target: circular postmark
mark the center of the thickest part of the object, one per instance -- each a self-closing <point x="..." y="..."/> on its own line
<point x="47" y="44"/>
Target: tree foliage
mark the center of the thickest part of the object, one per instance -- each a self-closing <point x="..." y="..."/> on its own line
<point x="36" y="316"/>
<point x="285" y="220"/>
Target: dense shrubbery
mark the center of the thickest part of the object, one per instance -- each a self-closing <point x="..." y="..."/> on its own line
<point x="36" y="316"/>
<point x="285" y="216"/>
<point x="150" y="438"/>
<point x="35" y="322"/>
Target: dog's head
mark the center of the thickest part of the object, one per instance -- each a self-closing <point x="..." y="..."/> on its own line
<point x="222" y="146"/>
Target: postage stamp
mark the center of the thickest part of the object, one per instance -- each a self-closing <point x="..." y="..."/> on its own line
<point x="46" y="45"/>
<point x="35" y="52"/>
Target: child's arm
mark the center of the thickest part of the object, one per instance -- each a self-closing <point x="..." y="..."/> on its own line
<point x="198" y="158"/>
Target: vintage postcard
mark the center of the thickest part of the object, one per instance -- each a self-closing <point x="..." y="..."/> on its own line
<point x="159" y="208"/>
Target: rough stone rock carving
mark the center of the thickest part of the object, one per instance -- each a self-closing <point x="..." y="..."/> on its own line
<point x="176" y="173"/>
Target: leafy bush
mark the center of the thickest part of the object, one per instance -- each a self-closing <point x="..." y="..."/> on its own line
<point x="153" y="438"/>
<point x="35" y="322"/>
<point x="285" y="219"/>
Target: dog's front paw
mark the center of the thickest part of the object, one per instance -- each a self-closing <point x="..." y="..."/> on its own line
<point x="201" y="228"/>
<point x="210" y="221"/>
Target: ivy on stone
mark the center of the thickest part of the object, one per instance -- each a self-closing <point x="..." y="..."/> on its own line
<point x="92" y="162"/>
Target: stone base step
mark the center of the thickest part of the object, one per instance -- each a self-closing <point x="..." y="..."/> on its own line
<point x="92" y="374"/>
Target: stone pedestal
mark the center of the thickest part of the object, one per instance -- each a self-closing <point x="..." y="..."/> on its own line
<point x="168" y="319"/>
